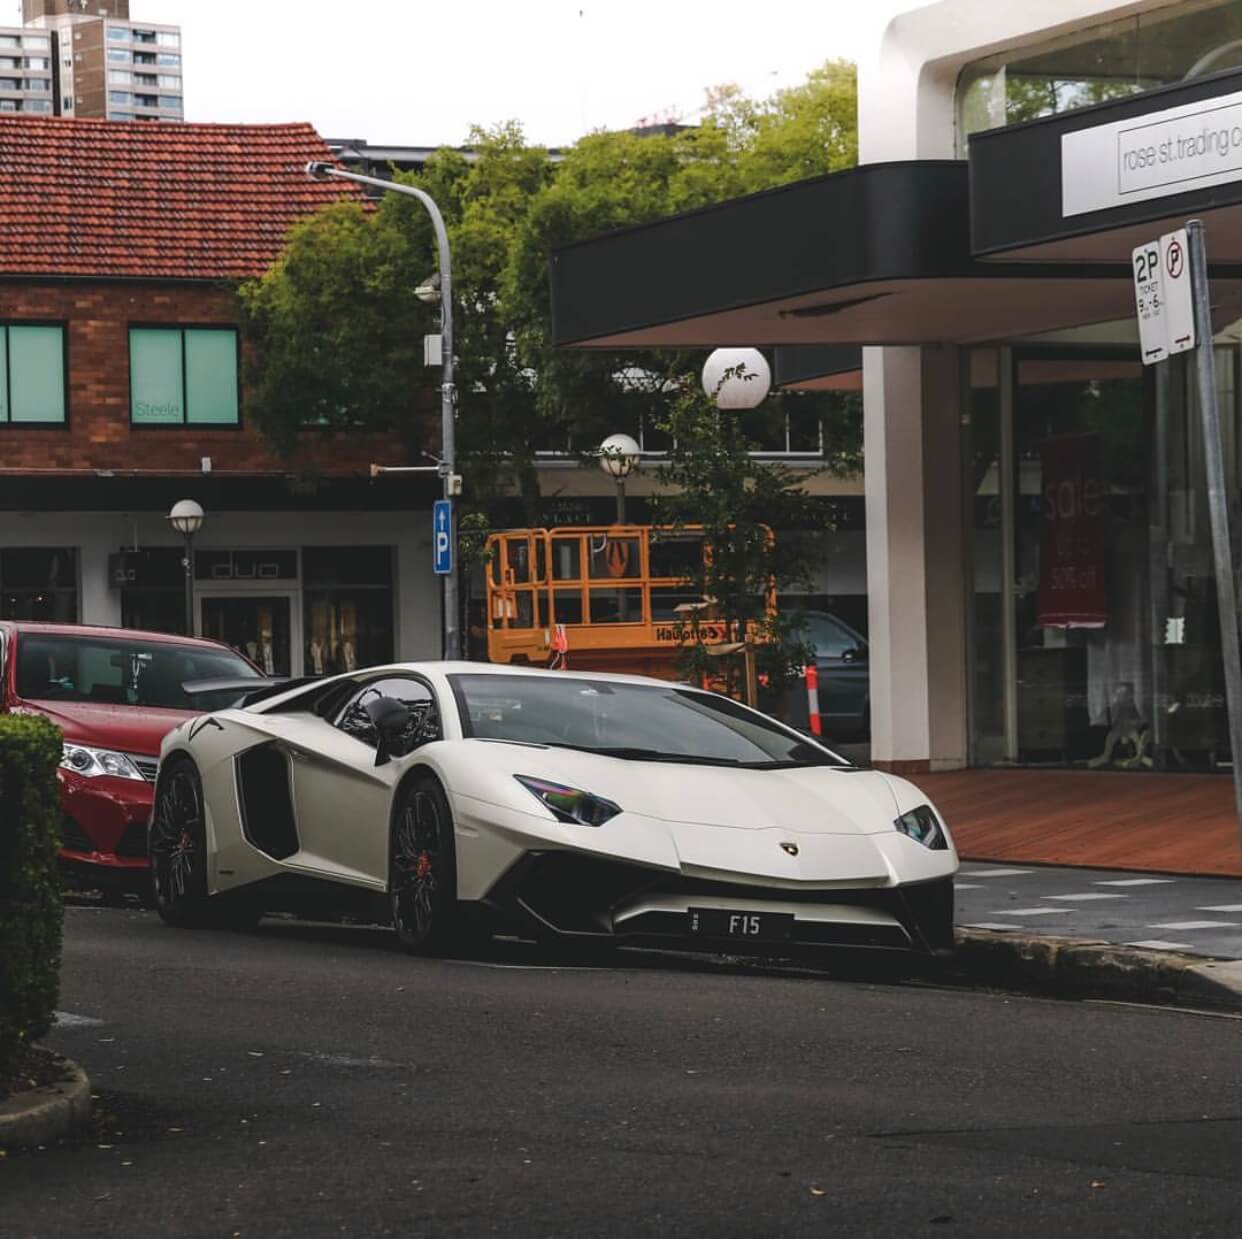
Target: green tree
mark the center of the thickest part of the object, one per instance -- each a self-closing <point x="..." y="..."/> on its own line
<point x="714" y="481"/>
<point x="335" y="330"/>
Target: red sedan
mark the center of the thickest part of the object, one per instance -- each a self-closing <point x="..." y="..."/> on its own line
<point x="114" y="693"/>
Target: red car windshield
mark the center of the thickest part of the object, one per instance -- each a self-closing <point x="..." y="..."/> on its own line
<point x="123" y="671"/>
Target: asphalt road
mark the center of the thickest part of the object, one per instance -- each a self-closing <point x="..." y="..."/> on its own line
<point x="302" y="1081"/>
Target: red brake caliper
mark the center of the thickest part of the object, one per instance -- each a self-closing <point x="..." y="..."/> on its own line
<point x="424" y="865"/>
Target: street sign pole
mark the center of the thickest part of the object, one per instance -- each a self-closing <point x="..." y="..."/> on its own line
<point x="1218" y="502"/>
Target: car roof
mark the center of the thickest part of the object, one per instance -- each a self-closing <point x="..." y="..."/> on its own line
<point x="41" y="628"/>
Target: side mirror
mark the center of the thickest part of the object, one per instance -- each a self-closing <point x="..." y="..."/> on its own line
<point x="390" y="718"/>
<point x="851" y="656"/>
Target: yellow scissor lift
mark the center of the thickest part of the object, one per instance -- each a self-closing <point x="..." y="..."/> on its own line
<point x="596" y="598"/>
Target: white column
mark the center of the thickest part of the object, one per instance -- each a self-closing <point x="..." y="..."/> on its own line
<point x="915" y="569"/>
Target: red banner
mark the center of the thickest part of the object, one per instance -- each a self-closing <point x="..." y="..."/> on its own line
<point x="1071" y="560"/>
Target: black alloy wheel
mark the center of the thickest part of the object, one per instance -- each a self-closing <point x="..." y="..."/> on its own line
<point x="177" y="847"/>
<point x="422" y="883"/>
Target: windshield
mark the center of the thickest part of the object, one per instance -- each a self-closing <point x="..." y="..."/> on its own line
<point x="124" y="671"/>
<point x="638" y="721"/>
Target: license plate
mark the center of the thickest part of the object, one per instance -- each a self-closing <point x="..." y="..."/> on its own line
<point x="748" y="926"/>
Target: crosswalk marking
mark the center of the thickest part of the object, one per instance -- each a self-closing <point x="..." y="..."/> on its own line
<point x="994" y="873"/>
<point x="1158" y="944"/>
<point x="1134" y="882"/>
<point x="1084" y="898"/>
<point x="1197" y="925"/>
<point x="1032" y="911"/>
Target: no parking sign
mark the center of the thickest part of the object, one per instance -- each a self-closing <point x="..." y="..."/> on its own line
<point x="1162" y="293"/>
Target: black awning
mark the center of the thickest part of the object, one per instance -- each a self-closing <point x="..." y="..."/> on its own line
<point x="1018" y="176"/>
<point x="876" y="255"/>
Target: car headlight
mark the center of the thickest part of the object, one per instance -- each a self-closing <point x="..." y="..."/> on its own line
<point x="90" y="763"/>
<point x="923" y="826"/>
<point x="569" y="804"/>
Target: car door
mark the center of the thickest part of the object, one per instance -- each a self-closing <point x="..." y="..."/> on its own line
<point x="341" y="797"/>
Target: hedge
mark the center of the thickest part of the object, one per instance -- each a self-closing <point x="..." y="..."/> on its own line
<point x="30" y="908"/>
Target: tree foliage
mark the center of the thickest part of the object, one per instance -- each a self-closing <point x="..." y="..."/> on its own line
<point x="334" y="330"/>
<point x="714" y="481"/>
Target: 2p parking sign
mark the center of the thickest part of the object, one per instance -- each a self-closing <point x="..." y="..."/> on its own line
<point x="1162" y="295"/>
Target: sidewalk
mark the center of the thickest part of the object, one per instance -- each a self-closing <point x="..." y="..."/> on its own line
<point x="1198" y="916"/>
<point x="1160" y="823"/>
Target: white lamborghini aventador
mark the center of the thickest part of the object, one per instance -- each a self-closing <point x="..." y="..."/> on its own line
<point x="465" y="797"/>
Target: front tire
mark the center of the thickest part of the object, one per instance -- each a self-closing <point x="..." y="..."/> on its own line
<point x="422" y="868"/>
<point x="177" y="847"/>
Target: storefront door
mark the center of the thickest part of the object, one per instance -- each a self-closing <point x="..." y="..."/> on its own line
<point x="260" y="625"/>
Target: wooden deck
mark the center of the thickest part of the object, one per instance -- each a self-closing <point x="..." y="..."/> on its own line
<point x="1168" y="823"/>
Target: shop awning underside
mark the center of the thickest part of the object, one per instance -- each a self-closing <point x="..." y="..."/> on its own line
<point x="877" y="255"/>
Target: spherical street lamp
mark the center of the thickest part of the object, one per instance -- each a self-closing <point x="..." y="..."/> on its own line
<point x="737" y="378"/>
<point x="187" y="518"/>
<point x="618" y="456"/>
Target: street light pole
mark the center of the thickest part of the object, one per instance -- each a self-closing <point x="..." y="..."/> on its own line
<point x="187" y="518"/>
<point x="448" y="398"/>
<point x="618" y="455"/>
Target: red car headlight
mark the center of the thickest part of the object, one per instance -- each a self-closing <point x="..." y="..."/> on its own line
<point x="90" y="763"/>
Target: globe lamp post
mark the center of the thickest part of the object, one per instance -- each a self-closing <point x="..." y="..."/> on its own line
<point x="618" y="456"/>
<point x="187" y="519"/>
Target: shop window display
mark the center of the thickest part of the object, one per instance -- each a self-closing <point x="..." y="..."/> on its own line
<point x="348" y="608"/>
<point x="39" y="583"/>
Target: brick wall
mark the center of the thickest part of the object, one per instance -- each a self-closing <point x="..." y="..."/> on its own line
<point x="98" y="434"/>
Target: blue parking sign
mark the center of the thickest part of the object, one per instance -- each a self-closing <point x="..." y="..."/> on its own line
<point x="442" y="536"/>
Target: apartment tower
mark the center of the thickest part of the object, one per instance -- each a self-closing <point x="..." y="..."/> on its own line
<point x="87" y="58"/>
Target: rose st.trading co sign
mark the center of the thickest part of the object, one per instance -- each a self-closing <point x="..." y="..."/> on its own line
<point x="1153" y="156"/>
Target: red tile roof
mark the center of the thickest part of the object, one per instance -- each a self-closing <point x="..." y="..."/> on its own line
<point x="153" y="200"/>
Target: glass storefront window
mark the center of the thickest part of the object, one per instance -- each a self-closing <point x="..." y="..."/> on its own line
<point x="1095" y="640"/>
<point x="1099" y="63"/>
<point x="257" y="627"/>
<point x="39" y="583"/>
<point x="348" y="605"/>
<point x="1081" y="439"/>
<point x="984" y="481"/>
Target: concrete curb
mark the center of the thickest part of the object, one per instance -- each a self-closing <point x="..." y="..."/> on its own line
<point x="1100" y="969"/>
<point x="47" y="1113"/>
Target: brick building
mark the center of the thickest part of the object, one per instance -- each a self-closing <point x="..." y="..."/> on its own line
<point x="121" y="392"/>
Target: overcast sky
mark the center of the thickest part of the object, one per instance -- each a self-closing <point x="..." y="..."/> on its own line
<point x="417" y="72"/>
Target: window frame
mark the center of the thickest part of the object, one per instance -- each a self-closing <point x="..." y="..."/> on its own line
<point x="185" y="423"/>
<point x="7" y="422"/>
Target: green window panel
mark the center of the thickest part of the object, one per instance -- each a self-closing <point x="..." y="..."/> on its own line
<point x="211" y="377"/>
<point x="4" y="374"/>
<point x="156" y="377"/>
<point x="183" y="376"/>
<point x="32" y="386"/>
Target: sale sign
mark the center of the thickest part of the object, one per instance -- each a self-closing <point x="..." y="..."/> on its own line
<point x="1071" y="560"/>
